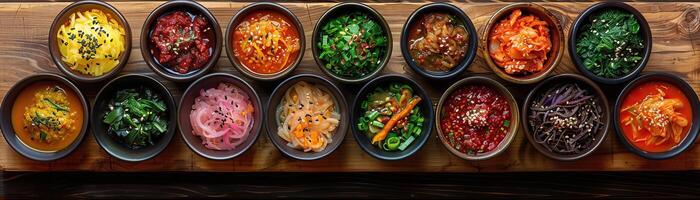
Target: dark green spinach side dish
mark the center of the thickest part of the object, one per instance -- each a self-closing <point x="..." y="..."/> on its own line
<point x="136" y="117"/>
<point x="352" y="45"/>
<point x="610" y="44"/>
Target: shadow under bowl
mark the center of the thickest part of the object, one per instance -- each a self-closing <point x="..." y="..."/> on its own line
<point x="695" y="120"/>
<point x="64" y="16"/>
<point x="340" y="10"/>
<point x="188" y="99"/>
<point x="426" y="107"/>
<point x="273" y="122"/>
<point x="468" y="57"/>
<point x="514" y="119"/>
<point x="244" y="13"/>
<point x="585" y="17"/>
<point x="101" y="107"/>
<point x="6" y="118"/>
<point x="162" y="69"/>
<point x="556" y="81"/>
<point x="556" y="37"/>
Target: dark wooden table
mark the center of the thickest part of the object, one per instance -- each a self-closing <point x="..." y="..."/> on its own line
<point x="178" y="185"/>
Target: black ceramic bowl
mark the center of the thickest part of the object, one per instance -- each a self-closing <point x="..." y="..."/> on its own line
<point x="425" y="104"/>
<point x="100" y="108"/>
<point x="273" y="121"/>
<point x="6" y="118"/>
<point x="64" y="16"/>
<point x="585" y="18"/>
<point x="443" y="8"/>
<point x="190" y="7"/>
<point x="185" y="107"/>
<point x="236" y="20"/>
<point x="554" y="81"/>
<point x="694" y="121"/>
<point x="338" y="10"/>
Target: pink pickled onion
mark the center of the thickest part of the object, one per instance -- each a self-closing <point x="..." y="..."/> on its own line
<point x="222" y="117"/>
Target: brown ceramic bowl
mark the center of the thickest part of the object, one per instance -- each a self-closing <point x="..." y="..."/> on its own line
<point x="556" y="37"/>
<point x="185" y="125"/>
<point x="339" y="10"/>
<point x="190" y="7"/>
<point x="6" y="118"/>
<point x="237" y="20"/>
<point x="554" y="81"/>
<point x="64" y="16"/>
<point x="514" y="119"/>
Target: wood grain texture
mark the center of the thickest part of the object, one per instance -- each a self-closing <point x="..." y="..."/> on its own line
<point x="539" y="185"/>
<point x="24" y="51"/>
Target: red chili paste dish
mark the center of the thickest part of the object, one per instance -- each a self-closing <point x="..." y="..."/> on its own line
<point x="476" y="119"/>
<point x="182" y="42"/>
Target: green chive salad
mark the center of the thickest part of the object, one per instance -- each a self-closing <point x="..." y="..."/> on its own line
<point x="392" y="118"/>
<point x="352" y="45"/>
<point x="136" y="117"/>
<point x="610" y="43"/>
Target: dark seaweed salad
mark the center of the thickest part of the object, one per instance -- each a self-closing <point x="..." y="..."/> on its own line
<point x="352" y="45"/>
<point x="136" y="117"/>
<point x="610" y="44"/>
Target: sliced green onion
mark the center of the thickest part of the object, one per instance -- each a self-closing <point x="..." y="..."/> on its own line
<point x="405" y="144"/>
<point x="417" y="131"/>
<point x="377" y="124"/>
<point x="393" y="143"/>
<point x="372" y="115"/>
<point x="413" y="118"/>
<point x="362" y="126"/>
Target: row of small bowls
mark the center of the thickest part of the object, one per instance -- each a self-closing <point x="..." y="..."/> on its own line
<point x="430" y="7"/>
<point x="557" y="38"/>
<point x="264" y="117"/>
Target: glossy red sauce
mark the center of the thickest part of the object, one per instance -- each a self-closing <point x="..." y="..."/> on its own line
<point x="182" y="41"/>
<point x="266" y="42"/>
<point x="476" y="119"/>
<point x="638" y="94"/>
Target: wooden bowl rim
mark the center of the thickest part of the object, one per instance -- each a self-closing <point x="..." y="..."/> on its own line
<point x="555" y="54"/>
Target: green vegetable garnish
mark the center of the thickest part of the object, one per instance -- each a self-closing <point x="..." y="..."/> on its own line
<point x="392" y="143"/>
<point x="400" y="126"/>
<point x="352" y="45"/>
<point x="610" y="44"/>
<point x="42" y="135"/>
<point x="136" y="117"/>
<point x="56" y="106"/>
<point x="405" y="144"/>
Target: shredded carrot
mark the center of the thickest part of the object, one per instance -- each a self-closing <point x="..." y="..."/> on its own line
<point x="395" y="118"/>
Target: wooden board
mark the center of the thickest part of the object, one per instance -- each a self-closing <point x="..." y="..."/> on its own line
<point x="24" y="51"/>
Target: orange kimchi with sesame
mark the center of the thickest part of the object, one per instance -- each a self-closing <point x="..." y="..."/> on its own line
<point x="519" y="44"/>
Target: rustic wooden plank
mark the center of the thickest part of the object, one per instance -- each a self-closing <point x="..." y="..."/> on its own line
<point x="24" y="50"/>
<point x="540" y="185"/>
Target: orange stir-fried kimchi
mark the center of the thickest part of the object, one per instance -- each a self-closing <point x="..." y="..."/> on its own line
<point x="519" y="43"/>
<point x="657" y="118"/>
